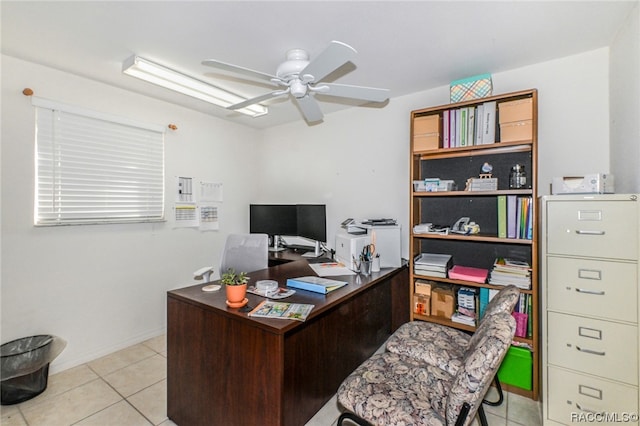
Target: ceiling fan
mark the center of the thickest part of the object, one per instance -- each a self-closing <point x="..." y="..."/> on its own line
<point x="301" y="78"/>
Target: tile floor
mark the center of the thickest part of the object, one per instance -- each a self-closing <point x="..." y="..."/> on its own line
<point x="129" y="388"/>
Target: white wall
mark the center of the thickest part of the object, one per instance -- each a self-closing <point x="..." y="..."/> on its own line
<point x="103" y="287"/>
<point x="625" y="105"/>
<point x="357" y="161"/>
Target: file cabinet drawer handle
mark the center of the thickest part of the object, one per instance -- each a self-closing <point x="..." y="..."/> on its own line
<point x="581" y="232"/>
<point x="589" y="351"/>
<point x="596" y="292"/>
<point x="586" y="410"/>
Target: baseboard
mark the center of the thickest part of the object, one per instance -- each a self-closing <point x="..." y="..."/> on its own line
<point x="57" y="367"/>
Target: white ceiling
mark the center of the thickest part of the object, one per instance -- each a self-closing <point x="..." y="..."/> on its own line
<point x="404" y="46"/>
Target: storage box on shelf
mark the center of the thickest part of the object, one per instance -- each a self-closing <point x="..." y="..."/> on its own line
<point x="441" y="209"/>
<point x="426" y="133"/>
<point x="516" y="120"/>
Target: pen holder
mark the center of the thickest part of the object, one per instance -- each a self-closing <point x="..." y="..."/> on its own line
<point x="375" y="265"/>
<point x="365" y="267"/>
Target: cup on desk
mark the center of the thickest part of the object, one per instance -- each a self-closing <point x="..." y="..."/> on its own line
<point x="375" y="263"/>
<point x="365" y="267"/>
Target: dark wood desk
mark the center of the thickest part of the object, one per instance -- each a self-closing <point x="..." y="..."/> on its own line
<point x="225" y="368"/>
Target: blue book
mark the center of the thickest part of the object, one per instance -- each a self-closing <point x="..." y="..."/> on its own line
<point x="484" y="300"/>
<point x="315" y="284"/>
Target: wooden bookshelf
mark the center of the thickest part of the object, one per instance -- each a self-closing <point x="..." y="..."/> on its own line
<point x="459" y="163"/>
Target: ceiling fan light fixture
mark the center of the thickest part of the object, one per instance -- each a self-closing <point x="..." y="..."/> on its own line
<point x="170" y="79"/>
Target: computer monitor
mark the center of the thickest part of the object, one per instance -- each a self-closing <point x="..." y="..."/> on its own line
<point x="312" y="222"/>
<point x="274" y="220"/>
<point x="301" y="220"/>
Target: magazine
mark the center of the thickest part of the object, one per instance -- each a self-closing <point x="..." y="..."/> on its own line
<point x="270" y="309"/>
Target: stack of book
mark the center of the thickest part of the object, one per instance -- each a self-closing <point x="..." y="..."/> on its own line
<point x="466" y="311"/>
<point x="508" y="271"/>
<point x="432" y="264"/>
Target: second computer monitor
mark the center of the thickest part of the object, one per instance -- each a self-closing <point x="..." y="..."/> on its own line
<point x="312" y="221"/>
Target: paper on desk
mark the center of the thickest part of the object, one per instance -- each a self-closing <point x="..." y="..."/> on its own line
<point x="330" y="269"/>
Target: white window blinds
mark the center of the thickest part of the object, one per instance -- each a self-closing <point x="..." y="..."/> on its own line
<point x="91" y="168"/>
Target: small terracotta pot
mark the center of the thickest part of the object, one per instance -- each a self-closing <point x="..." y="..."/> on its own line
<point x="236" y="293"/>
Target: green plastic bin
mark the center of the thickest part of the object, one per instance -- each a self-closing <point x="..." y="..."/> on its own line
<point x="517" y="368"/>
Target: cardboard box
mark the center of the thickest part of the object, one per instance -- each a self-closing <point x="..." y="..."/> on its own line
<point x="518" y="110"/>
<point x="595" y="183"/>
<point x="478" y="86"/>
<point x="426" y="124"/>
<point x="423" y="287"/>
<point x="426" y="142"/>
<point x="516" y="368"/>
<point x="442" y="302"/>
<point x="421" y="304"/>
<point x="516" y="131"/>
<point x="426" y="132"/>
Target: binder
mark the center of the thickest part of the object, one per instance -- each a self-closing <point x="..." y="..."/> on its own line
<point x="315" y="284"/>
<point x="511" y="216"/>
<point x="502" y="216"/>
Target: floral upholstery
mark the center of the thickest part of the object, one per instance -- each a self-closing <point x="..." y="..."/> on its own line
<point x="395" y="389"/>
<point x="445" y="346"/>
<point x="433" y="343"/>
<point x="391" y="389"/>
<point x="481" y="362"/>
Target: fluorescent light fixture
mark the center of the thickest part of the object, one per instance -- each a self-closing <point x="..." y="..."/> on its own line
<point x="162" y="76"/>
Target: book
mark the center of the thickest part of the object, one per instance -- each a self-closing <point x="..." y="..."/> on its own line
<point x="484" y="300"/>
<point x="464" y="121"/>
<point x="281" y="310"/>
<point x="445" y="128"/>
<point x="478" y="129"/>
<point x="463" y="319"/>
<point x="502" y="216"/>
<point x="452" y="128"/>
<point x="315" y="284"/>
<point x="511" y="216"/>
<point x="471" y="125"/>
<point x="468" y="273"/>
<point x="489" y="123"/>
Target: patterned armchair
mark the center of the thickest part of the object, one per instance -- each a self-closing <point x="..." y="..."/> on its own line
<point x="391" y="388"/>
<point x="445" y="347"/>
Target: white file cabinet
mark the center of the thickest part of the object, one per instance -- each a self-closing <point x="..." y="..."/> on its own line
<point x="590" y="339"/>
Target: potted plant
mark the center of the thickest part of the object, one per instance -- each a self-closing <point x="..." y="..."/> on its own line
<point x="235" y="285"/>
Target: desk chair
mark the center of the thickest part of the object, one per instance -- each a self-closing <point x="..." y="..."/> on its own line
<point x="445" y="347"/>
<point x="245" y="253"/>
<point x="390" y="388"/>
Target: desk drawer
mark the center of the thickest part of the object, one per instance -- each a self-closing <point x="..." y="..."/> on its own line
<point x="593" y="288"/>
<point x="606" y="229"/>
<point x="601" y="348"/>
<point x="571" y="395"/>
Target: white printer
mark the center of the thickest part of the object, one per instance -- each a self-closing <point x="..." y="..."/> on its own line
<point x="387" y="245"/>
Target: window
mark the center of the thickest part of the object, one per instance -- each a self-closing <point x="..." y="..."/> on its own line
<point x="93" y="168"/>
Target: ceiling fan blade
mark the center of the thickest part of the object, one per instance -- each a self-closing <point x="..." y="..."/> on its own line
<point x="370" y="94"/>
<point x="309" y="108"/>
<point x="333" y="57"/>
<point x="258" y="99"/>
<point x="239" y="70"/>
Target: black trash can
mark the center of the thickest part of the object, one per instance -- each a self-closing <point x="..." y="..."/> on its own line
<point x="24" y="367"/>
